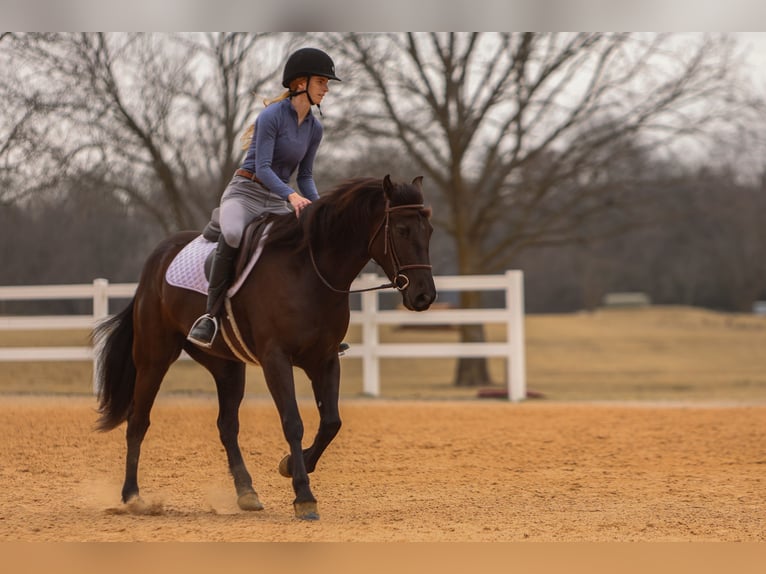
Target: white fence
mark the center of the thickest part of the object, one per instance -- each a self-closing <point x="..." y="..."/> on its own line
<point x="370" y="317"/>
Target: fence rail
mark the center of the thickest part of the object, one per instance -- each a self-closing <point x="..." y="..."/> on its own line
<point x="370" y="317"/>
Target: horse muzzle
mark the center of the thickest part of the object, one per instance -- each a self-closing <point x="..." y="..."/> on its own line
<point x="417" y="294"/>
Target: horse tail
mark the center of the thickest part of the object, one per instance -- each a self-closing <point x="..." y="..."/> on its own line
<point x="115" y="369"/>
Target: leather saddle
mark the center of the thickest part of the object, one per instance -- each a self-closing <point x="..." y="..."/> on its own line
<point x="251" y="237"/>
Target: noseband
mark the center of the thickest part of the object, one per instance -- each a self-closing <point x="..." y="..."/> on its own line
<point x="400" y="280"/>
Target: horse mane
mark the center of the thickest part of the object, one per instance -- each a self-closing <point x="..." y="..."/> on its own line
<point x="340" y="214"/>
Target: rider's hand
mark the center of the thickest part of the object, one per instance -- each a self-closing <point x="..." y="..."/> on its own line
<point x="298" y="202"/>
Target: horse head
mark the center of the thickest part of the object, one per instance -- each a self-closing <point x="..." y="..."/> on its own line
<point x="400" y="243"/>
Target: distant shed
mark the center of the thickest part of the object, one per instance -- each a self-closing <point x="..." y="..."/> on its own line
<point x="627" y="299"/>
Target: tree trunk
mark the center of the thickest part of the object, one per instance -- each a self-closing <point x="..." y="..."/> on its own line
<point x="471" y="371"/>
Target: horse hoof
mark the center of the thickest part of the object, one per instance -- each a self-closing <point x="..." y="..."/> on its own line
<point x="306" y="510"/>
<point x="136" y="505"/>
<point x="284" y="467"/>
<point x="249" y="501"/>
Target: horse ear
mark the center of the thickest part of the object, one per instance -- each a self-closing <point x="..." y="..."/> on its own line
<point x="418" y="182"/>
<point x="388" y="187"/>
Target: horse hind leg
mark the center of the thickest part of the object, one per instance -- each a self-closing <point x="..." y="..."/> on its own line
<point x="148" y="382"/>
<point x="152" y="363"/>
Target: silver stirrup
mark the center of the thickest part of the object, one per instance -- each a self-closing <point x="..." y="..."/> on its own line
<point x="199" y="342"/>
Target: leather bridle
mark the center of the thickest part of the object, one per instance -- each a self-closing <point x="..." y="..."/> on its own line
<point x="400" y="280"/>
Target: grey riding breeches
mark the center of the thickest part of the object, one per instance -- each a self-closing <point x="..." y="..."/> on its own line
<point x="243" y="201"/>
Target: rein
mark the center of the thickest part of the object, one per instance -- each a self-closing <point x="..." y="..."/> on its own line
<point x="388" y="242"/>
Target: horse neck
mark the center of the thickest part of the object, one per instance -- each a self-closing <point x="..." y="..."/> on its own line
<point x="341" y="262"/>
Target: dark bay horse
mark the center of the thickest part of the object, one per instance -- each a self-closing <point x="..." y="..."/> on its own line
<point x="293" y="309"/>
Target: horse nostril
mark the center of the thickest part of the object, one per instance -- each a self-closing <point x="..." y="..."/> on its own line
<point x="423" y="301"/>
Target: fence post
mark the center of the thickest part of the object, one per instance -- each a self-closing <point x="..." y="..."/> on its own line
<point x="100" y="299"/>
<point x="100" y="312"/>
<point x="370" y="340"/>
<point x="516" y="363"/>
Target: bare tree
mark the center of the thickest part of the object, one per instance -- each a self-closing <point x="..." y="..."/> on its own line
<point x="150" y="119"/>
<point x="18" y="132"/>
<point x="525" y="137"/>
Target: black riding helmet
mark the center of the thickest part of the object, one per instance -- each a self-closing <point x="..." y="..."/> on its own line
<point x="308" y="62"/>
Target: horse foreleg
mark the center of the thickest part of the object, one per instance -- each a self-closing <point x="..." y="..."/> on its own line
<point x="325" y="382"/>
<point x="230" y="382"/>
<point x="279" y="378"/>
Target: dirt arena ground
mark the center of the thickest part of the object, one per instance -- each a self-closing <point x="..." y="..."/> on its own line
<point x="398" y="471"/>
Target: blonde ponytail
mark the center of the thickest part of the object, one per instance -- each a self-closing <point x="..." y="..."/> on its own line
<point x="286" y="94"/>
<point x="246" y="138"/>
<point x="283" y="96"/>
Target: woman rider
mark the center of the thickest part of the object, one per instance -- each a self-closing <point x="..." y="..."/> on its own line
<point x="286" y="136"/>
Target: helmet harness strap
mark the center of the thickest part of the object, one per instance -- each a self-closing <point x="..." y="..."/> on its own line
<point x="308" y="95"/>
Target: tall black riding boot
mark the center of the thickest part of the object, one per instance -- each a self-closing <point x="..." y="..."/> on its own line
<point x="205" y="328"/>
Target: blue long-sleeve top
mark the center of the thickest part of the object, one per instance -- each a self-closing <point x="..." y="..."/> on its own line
<point x="280" y="146"/>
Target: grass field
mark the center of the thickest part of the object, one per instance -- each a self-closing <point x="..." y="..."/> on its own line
<point x="651" y="354"/>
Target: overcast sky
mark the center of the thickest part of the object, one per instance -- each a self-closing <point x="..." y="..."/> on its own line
<point x="756" y="44"/>
<point x="373" y="15"/>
